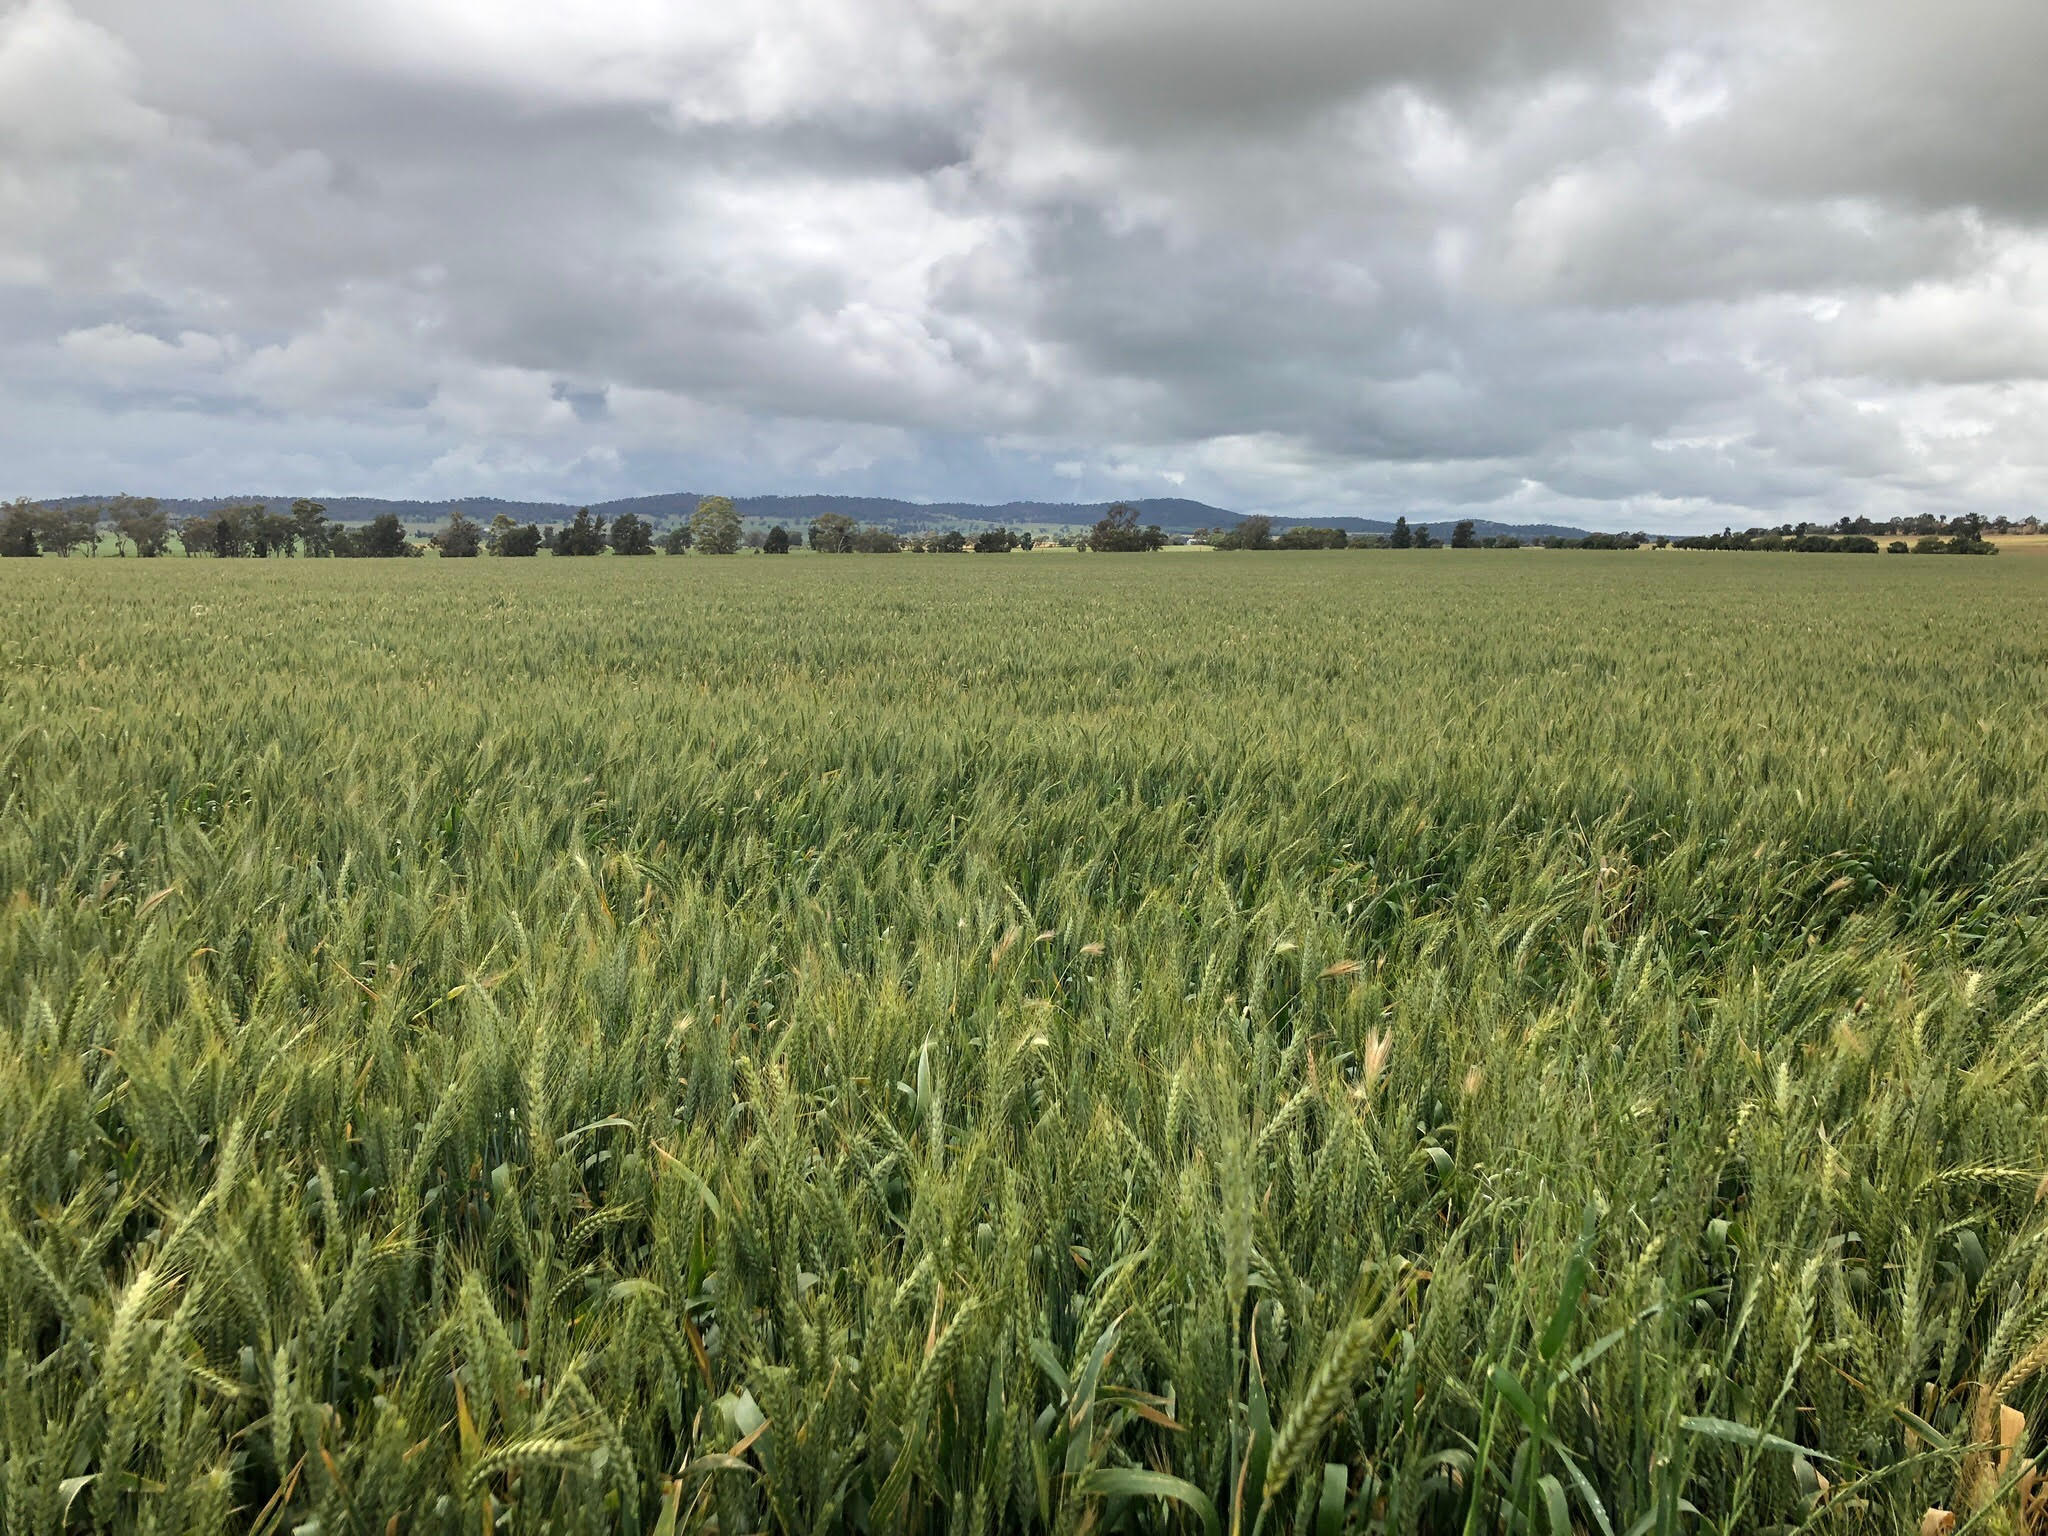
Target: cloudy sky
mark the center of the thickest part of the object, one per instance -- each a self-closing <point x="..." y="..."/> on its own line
<point x="1622" y="263"/>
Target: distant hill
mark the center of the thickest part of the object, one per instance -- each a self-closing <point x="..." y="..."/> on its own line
<point x="1175" y="514"/>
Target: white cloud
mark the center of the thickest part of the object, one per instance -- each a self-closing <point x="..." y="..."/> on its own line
<point x="1988" y="326"/>
<point x="118" y="355"/>
<point x="66" y="85"/>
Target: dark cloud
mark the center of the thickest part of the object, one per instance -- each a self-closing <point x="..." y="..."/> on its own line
<point x="1210" y="68"/>
<point x="1895" y="102"/>
<point x="1636" y="262"/>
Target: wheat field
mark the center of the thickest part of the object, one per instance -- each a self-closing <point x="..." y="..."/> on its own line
<point x="1288" y="1044"/>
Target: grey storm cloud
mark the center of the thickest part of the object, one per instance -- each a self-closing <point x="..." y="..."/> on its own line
<point x="1622" y="262"/>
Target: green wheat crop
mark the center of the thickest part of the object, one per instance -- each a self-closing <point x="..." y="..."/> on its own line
<point x="1306" y="1044"/>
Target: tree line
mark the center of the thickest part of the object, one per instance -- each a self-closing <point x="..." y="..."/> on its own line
<point x="1933" y="536"/>
<point x="138" y="525"/>
<point x="137" y="522"/>
<point x="1257" y="533"/>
